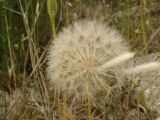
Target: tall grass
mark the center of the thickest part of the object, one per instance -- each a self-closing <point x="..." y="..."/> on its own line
<point x="25" y="34"/>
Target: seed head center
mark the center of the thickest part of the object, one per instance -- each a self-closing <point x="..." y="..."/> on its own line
<point x="89" y="64"/>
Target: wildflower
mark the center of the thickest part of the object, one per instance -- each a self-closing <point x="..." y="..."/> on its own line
<point x="77" y="60"/>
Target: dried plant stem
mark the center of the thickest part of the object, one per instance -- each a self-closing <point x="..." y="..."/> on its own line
<point x="10" y="52"/>
<point x="64" y="105"/>
<point x="90" y="7"/>
<point x="59" y="99"/>
<point x="80" y="8"/>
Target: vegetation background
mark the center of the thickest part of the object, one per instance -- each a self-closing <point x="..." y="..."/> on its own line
<point x="26" y="32"/>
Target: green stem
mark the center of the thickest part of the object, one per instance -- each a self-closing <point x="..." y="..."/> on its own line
<point x="89" y="108"/>
<point x="142" y="26"/>
<point x="89" y="102"/>
<point x="54" y="29"/>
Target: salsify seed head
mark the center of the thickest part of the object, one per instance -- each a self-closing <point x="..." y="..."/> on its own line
<point x="76" y="58"/>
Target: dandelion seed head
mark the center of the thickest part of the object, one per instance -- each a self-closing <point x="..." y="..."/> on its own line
<point x="76" y="55"/>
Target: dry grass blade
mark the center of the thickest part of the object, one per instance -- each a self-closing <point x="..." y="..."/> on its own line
<point x="145" y="68"/>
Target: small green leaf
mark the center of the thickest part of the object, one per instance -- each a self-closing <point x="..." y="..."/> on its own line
<point x="142" y="98"/>
<point x="52" y="8"/>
